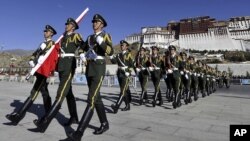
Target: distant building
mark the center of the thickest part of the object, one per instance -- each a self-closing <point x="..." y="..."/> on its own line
<point x="200" y="33"/>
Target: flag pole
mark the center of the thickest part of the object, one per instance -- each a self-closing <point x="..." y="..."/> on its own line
<point x="38" y="65"/>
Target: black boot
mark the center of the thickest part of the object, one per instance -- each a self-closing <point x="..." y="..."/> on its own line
<point x="87" y="115"/>
<point x="129" y="95"/>
<point x="116" y="106"/>
<point x="160" y="99"/>
<point x="155" y="99"/>
<point x="100" y="109"/>
<point x="141" y="98"/>
<point x="47" y="103"/>
<point x="72" y="111"/>
<point x="127" y="107"/>
<point x="43" y="124"/>
<point x="16" y="117"/>
<point x="103" y="128"/>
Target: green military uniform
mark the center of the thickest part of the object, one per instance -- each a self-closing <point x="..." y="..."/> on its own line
<point x="208" y="80"/>
<point x="97" y="46"/>
<point x="124" y="61"/>
<point x="185" y="77"/>
<point x="226" y="79"/>
<point x="40" y="85"/>
<point x="174" y="76"/>
<point x="66" y="69"/>
<point x="202" y="78"/>
<point x="157" y="64"/>
<point x="194" y="78"/>
<point x="142" y="62"/>
<point x="166" y="76"/>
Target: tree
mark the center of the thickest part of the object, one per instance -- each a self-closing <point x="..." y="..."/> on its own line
<point x="230" y="72"/>
<point x="247" y="74"/>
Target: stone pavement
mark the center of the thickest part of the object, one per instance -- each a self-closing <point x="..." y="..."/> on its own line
<point x="208" y="119"/>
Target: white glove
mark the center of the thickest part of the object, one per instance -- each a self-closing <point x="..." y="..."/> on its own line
<point x="138" y="69"/>
<point x="40" y="59"/>
<point x="111" y="57"/>
<point x="186" y="76"/>
<point x="99" y="39"/>
<point x="195" y="74"/>
<point x="181" y="72"/>
<point x="170" y="71"/>
<point x="150" y="68"/>
<point x="43" y="46"/>
<point x="127" y="73"/>
<point x="31" y="63"/>
<point x="82" y="57"/>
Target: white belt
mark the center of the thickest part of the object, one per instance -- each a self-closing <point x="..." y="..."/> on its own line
<point x="67" y="55"/>
<point x="157" y="68"/>
<point x="97" y="57"/>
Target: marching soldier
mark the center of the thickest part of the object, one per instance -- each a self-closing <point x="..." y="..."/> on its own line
<point x="185" y="77"/>
<point x="96" y="47"/>
<point x="174" y="74"/>
<point x="40" y="85"/>
<point x="226" y="79"/>
<point x="194" y="78"/>
<point x="166" y="76"/>
<point x="156" y="66"/>
<point x="202" y="78"/>
<point x="125" y="66"/>
<point x="66" y="68"/>
<point x="142" y="62"/>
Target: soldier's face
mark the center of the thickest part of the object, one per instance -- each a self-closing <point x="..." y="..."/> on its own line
<point x="69" y="28"/>
<point x="123" y="47"/>
<point x="172" y="51"/>
<point x="97" y="25"/>
<point x="48" y="34"/>
<point x="155" y="51"/>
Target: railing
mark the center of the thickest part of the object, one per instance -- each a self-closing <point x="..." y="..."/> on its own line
<point x="80" y="79"/>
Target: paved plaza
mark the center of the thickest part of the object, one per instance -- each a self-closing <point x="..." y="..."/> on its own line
<point x="207" y="119"/>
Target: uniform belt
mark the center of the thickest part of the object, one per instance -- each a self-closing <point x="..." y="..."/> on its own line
<point x="67" y="55"/>
<point x="98" y="57"/>
<point x="176" y="69"/>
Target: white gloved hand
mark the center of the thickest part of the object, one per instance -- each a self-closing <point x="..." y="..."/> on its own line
<point x="127" y="73"/>
<point x="111" y="57"/>
<point x="31" y="63"/>
<point x="43" y="46"/>
<point x="82" y="57"/>
<point x="40" y="59"/>
<point x="170" y="71"/>
<point x="138" y="69"/>
<point x="186" y="76"/>
<point x="181" y="72"/>
<point x="150" y="68"/>
<point x="99" y="39"/>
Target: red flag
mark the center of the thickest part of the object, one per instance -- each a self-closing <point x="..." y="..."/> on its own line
<point x="49" y="65"/>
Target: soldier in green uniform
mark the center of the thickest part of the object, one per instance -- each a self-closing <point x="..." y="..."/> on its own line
<point x="96" y="47"/>
<point x="185" y="77"/>
<point x="166" y="76"/>
<point x="125" y="66"/>
<point x="194" y="78"/>
<point x="208" y="80"/>
<point x="174" y="74"/>
<point x="226" y="79"/>
<point x="202" y="78"/>
<point x="40" y="85"/>
<point x="156" y="66"/>
<point x="142" y="62"/>
<point x="66" y="69"/>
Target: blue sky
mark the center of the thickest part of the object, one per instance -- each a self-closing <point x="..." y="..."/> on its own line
<point x="22" y="21"/>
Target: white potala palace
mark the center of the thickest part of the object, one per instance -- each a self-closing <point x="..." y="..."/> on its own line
<point x="200" y="33"/>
